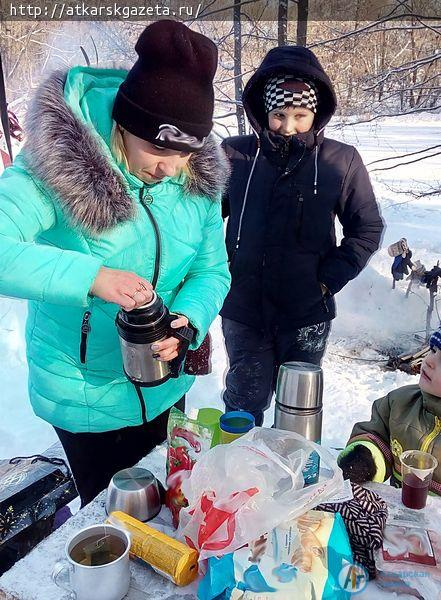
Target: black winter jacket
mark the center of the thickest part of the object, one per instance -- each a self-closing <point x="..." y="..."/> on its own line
<point x="280" y="235"/>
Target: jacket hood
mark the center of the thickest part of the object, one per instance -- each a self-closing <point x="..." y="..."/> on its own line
<point x="293" y="60"/>
<point x="68" y="130"/>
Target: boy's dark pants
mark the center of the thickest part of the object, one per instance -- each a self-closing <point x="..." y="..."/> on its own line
<point x="255" y="358"/>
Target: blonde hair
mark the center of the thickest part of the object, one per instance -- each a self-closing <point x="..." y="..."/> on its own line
<point x="118" y="150"/>
<point x="117" y="146"/>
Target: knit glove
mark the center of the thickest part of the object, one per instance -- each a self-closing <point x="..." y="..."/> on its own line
<point x="357" y="464"/>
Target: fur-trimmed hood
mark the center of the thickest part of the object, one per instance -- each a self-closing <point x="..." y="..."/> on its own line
<point x="66" y="155"/>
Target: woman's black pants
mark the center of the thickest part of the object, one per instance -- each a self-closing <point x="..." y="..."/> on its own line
<point x="95" y="457"/>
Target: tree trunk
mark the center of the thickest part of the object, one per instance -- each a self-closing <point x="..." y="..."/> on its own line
<point x="302" y="21"/>
<point x="432" y="293"/>
<point x="237" y="29"/>
<point x="382" y="62"/>
<point x="413" y="75"/>
<point x="282" y="23"/>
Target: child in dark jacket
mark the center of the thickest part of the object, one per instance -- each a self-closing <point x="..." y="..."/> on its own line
<point x="408" y="418"/>
<point x="288" y="184"/>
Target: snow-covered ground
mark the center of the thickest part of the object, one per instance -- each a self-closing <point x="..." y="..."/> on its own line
<point x="372" y="317"/>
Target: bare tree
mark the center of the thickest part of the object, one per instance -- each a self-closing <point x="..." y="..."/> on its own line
<point x="282" y="23"/>
<point x="237" y="28"/>
<point x="302" y="21"/>
<point x="387" y="66"/>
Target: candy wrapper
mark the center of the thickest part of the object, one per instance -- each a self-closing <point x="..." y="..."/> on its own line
<point x="188" y="439"/>
<point x="303" y="558"/>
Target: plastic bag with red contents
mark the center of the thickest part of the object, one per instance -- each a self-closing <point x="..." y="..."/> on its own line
<point x="187" y="440"/>
<point x="239" y="491"/>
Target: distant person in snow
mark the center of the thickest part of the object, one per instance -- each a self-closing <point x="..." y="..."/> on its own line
<point x="288" y="184"/>
<point x="408" y="418"/>
<point x="116" y="191"/>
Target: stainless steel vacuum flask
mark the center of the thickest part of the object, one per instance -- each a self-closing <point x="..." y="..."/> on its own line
<point x="299" y="399"/>
<point x="299" y="394"/>
<point x="138" y="329"/>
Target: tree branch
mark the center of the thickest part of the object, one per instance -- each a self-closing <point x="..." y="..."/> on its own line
<point x="230" y="114"/>
<point x="428" y="191"/>
<point x="405" y="163"/>
<point x="409" y="112"/>
<point x="402" y="68"/>
<point x="368" y="27"/>
<point x="403" y="155"/>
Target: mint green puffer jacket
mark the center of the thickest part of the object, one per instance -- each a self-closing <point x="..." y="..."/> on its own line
<point x="66" y="209"/>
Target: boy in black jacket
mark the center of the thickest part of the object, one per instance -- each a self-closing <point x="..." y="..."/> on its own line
<point x="287" y="185"/>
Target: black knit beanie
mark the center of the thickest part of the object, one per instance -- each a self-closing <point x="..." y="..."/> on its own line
<point x="167" y="97"/>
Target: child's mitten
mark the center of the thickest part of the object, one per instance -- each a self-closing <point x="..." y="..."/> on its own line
<point x="357" y="464"/>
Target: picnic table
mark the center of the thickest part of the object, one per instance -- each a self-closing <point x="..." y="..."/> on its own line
<point x="30" y="578"/>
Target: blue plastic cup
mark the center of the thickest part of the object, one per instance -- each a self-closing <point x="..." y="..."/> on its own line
<point x="234" y="424"/>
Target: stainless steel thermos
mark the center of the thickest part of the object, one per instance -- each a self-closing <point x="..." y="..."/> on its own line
<point x="299" y="394"/>
<point x="138" y="329"/>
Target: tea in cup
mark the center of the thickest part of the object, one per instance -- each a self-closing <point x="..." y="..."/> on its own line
<point x="96" y="566"/>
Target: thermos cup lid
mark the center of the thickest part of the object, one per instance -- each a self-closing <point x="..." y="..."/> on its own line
<point x="300" y="385"/>
<point x="133" y="478"/>
<point x="135" y="491"/>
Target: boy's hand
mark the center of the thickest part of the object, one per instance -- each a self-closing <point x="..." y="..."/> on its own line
<point x="358" y="464"/>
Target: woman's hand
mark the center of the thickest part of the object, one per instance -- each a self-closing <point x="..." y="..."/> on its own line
<point x="122" y="287"/>
<point x="168" y="349"/>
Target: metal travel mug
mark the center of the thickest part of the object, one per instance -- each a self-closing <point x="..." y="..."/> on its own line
<point x="108" y="581"/>
<point x="299" y="408"/>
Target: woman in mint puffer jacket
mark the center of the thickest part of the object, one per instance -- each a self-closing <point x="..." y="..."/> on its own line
<point x="116" y="191"/>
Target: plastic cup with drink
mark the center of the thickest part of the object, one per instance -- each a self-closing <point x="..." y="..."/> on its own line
<point x="417" y="469"/>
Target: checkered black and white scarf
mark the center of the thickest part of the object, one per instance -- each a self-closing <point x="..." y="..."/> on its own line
<point x="283" y="90"/>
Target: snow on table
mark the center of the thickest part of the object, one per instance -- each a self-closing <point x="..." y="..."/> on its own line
<point x="30" y="578"/>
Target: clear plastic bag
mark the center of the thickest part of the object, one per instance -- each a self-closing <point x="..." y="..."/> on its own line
<point x="239" y="491"/>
